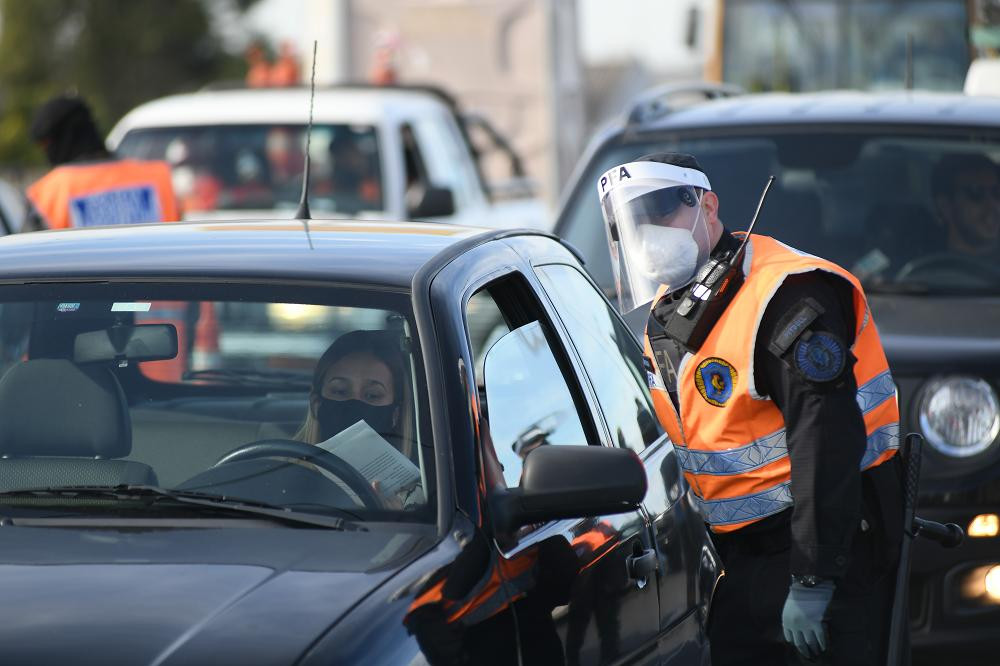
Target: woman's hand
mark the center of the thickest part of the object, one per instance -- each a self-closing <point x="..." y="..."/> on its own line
<point x="388" y="501"/>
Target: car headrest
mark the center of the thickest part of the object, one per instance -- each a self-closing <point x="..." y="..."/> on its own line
<point x="53" y="407"/>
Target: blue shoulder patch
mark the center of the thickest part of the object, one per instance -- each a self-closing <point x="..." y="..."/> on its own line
<point x="820" y="357"/>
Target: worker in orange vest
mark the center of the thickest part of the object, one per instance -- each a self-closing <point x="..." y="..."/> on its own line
<point x="258" y="67"/>
<point x="285" y="70"/>
<point x="87" y="186"/>
<point x="782" y="411"/>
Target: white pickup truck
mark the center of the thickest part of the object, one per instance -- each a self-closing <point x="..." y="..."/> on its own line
<point x="377" y="153"/>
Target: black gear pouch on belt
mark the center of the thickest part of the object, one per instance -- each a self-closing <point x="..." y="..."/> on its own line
<point x="757" y="540"/>
<point x="882" y="507"/>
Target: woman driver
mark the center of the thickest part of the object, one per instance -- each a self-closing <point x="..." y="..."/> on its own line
<point x="360" y="377"/>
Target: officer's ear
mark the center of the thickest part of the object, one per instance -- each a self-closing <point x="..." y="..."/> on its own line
<point x="710" y="204"/>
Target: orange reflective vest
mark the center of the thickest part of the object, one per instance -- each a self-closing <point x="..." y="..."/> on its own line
<point x="105" y="192"/>
<point x="729" y="439"/>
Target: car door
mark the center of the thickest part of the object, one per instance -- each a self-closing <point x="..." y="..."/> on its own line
<point x="613" y="362"/>
<point x="587" y="587"/>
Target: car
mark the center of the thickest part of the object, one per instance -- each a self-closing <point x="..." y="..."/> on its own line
<point x="379" y="152"/>
<point x="171" y="492"/>
<point x="858" y="179"/>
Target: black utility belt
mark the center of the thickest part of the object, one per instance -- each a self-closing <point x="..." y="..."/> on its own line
<point x="756" y="539"/>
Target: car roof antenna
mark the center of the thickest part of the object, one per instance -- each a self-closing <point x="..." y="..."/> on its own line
<point x="303" y="211"/>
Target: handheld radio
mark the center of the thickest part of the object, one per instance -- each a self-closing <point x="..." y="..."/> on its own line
<point x="713" y="289"/>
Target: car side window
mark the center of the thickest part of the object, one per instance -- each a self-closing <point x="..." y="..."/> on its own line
<point x="447" y="158"/>
<point x="527" y="400"/>
<point x="486" y="325"/>
<point x="610" y="355"/>
<point x="416" y="167"/>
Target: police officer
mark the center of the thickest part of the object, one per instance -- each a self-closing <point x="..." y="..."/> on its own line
<point x="784" y="420"/>
<point x="87" y="186"/>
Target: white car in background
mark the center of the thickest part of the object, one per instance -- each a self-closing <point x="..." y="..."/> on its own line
<point x="377" y="153"/>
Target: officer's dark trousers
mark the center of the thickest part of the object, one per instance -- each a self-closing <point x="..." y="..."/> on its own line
<point x="745" y="626"/>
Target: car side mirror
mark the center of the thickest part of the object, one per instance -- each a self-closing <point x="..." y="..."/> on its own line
<point x="571" y="482"/>
<point x="430" y="201"/>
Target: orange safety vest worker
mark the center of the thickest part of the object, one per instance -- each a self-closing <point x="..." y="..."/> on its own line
<point x="106" y="192"/>
<point x="729" y="439"/>
<point x="121" y="192"/>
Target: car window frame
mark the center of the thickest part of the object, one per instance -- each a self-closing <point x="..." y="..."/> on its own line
<point x="580" y="389"/>
<point x="625" y="327"/>
<point x="578" y="360"/>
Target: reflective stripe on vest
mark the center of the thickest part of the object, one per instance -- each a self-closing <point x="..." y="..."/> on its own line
<point x="773" y="447"/>
<point x="733" y="447"/>
<point x="106" y="192"/>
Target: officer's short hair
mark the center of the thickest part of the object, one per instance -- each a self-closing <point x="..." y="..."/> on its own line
<point x="684" y="160"/>
<point x="948" y="170"/>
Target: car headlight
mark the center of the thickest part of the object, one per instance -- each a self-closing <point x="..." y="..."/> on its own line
<point x="959" y="415"/>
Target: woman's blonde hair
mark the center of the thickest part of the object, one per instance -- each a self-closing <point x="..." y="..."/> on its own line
<point x="383" y="345"/>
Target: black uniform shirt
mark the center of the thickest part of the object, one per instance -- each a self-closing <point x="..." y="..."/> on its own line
<point x="824" y="428"/>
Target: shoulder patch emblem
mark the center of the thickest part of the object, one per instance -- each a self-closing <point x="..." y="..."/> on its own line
<point x="820" y="357"/>
<point x="715" y="379"/>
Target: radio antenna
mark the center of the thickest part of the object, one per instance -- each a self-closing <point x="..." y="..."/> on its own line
<point x="760" y="204"/>
<point x="303" y="212"/>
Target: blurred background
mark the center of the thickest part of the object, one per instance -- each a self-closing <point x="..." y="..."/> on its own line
<point x="546" y="73"/>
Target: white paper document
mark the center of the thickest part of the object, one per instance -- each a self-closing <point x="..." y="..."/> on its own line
<point x="377" y="460"/>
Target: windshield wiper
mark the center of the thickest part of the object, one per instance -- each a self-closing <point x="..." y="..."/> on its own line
<point x="188" y="498"/>
<point x="251" y="377"/>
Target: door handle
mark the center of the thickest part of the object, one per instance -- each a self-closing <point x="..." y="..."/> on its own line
<point x="641" y="565"/>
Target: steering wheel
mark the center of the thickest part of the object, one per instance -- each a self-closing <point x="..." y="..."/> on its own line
<point x="982" y="270"/>
<point x="290" y="448"/>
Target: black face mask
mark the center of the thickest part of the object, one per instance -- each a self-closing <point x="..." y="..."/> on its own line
<point x="336" y="415"/>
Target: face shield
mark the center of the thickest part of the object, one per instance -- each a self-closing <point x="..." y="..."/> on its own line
<point x="657" y="232"/>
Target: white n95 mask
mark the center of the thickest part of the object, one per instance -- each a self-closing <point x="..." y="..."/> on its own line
<point x="667" y="256"/>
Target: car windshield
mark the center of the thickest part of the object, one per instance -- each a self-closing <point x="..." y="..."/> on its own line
<point x="912" y="213"/>
<point x="301" y="399"/>
<point x="248" y="167"/>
